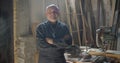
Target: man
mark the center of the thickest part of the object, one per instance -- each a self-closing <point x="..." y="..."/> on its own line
<point x="52" y="37"/>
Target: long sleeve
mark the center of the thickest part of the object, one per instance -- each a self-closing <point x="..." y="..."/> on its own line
<point x="67" y="37"/>
<point x="41" y="43"/>
<point x="66" y="40"/>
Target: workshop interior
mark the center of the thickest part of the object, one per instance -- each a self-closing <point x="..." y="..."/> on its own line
<point x="93" y="24"/>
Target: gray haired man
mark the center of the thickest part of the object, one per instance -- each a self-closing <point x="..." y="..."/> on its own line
<point x="53" y="37"/>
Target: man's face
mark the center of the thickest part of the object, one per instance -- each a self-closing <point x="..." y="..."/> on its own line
<point x="52" y="14"/>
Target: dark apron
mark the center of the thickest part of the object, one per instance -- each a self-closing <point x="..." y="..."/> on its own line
<point x="51" y="55"/>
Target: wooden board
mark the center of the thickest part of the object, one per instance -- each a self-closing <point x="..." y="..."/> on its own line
<point x="105" y="54"/>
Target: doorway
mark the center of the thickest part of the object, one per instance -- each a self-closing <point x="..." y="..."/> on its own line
<point x="6" y="20"/>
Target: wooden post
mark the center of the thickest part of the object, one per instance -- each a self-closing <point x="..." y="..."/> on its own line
<point x="103" y="13"/>
<point x="113" y="12"/>
<point x="14" y="29"/>
<point x="83" y="21"/>
<point x="98" y="14"/>
<point x="77" y="25"/>
<point x="91" y="23"/>
<point x="68" y="18"/>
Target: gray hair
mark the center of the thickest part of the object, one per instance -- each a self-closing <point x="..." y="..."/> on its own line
<point x="52" y="5"/>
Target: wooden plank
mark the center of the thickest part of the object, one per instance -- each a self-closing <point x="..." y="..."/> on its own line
<point x="59" y="3"/>
<point x="77" y="24"/>
<point x="14" y="29"/>
<point x="89" y="27"/>
<point x="103" y="13"/>
<point x="105" y="54"/>
<point x="83" y="21"/>
<point x="36" y="57"/>
<point x="113" y="12"/>
<point x="92" y="23"/>
<point x="36" y="54"/>
<point x="68" y="18"/>
<point x="98" y="14"/>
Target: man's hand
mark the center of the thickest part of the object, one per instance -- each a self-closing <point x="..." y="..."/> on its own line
<point x="49" y="40"/>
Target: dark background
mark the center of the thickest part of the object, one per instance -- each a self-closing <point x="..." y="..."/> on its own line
<point x="6" y="34"/>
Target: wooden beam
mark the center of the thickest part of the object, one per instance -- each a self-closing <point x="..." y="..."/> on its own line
<point x="113" y="12"/>
<point x="14" y="29"/>
<point x="92" y="24"/>
<point x="103" y="13"/>
<point x="77" y="24"/>
<point x="98" y="14"/>
<point x="105" y="54"/>
<point x="88" y="23"/>
<point x="83" y="21"/>
<point x="68" y="18"/>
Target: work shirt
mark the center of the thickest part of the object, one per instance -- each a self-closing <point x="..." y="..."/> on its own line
<point x="52" y="53"/>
